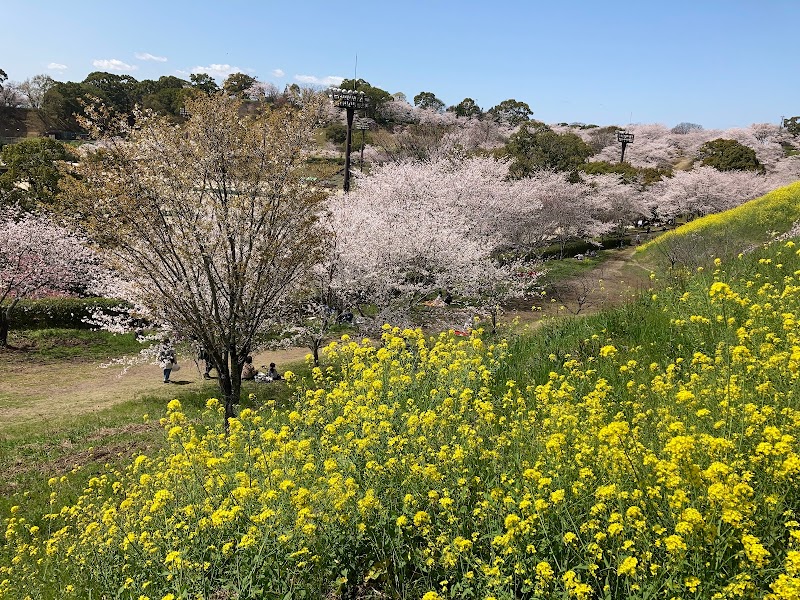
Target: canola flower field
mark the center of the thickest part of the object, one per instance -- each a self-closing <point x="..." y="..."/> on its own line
<point x="655" y="460"/>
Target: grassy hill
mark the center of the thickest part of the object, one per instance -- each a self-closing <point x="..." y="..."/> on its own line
<point x="725" y="234"/>
<point x="649" y="451"/>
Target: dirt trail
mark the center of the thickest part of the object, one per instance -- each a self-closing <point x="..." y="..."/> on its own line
<point x="615" y="281"/>
<point x="41" y="392"/>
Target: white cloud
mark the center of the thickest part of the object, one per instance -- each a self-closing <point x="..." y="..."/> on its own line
<point x="54" y="66"/>
<point x="219" y="71"/>
<point x="148" y="56"/>
<point x="312" y="79"/>
<point x="113" y="65"/>
<point x="278" y="73"/>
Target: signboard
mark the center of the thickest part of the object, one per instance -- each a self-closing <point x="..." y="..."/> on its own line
<point x="624" y="136"/>
<point x="348" y="98"/>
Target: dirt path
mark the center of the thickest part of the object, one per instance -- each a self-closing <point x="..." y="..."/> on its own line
<point x="615" y="281"/>
<point x="42" y="392"/>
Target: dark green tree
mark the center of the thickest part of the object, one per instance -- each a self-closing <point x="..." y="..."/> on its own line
<point x="535" y="146"/>
<point x="336" y="132"/>
<point x="64" y="101"/>
<point x="204" y="82"/>
<point x="467" y="108"/>
<point x="511" y="112"/>
<point x="167" y="101"/>
<point x="428" y="101"/>
<point x="165" y="96"/>
<point x="792" y="125"/>
<point x="729" y="155"/>
<point x="377" y="97"/>
<point x="170" y="81"/>
<point x="3" y="77"/>
<point x="238" y="84"/>
<point x="33" y="171"/>
<point x="630" y="174"/>
<point x="118" y="91"/>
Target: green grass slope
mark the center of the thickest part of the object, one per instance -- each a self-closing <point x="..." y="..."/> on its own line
<point x="725" y="234"/>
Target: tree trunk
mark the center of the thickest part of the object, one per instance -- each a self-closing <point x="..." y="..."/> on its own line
<point x="5" y="322"/>
<point x="3" y="327"/>
<point x="315" y="351"/>
<point x="230" y="384"/>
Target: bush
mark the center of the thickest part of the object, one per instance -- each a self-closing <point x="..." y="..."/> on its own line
<point x="67" y="313"/>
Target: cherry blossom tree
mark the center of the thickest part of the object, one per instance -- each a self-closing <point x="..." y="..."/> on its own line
<point x="618" y="204"/>
<point x="208" y="223"/>
<point x="418" y="139"/>
<point x="38" y="259"/>
<point x="35" y="88"/>
<point x="415" y="229"/>
<point x="11" y="96"/>
<point x="785" y="171"/>
<point x="567" y="211"/>
<point x="705" y="190"/>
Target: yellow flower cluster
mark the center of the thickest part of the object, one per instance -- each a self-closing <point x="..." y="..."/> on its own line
<point x="413" y="465"/>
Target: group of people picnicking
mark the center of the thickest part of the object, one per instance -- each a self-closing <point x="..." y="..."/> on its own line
<point x="167" y="359"/>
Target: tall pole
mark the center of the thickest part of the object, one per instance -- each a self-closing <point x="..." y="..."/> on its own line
<point x="350" y="113"/>
<point x="622" y="157"/>
<point x="350" y="100"/>
<point x="362" y="124"/>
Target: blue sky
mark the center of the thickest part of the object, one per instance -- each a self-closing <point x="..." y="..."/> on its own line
<point x="719" y="63"/>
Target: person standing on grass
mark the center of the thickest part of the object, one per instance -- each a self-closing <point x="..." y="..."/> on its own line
<point x="166" y="358"/>
<point x="203" y="355"/>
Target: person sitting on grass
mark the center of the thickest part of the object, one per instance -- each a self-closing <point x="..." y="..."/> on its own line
<point x="248" y="370"/>
<point x="273" y="372"/>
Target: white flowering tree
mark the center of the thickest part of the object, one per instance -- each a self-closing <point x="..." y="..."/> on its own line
<point x="209" y="223"/>
<point x="37" y="259"/>
<point x="705" y="190"/>
<point x="618" y="204"/>
<point x="415" y="229"/>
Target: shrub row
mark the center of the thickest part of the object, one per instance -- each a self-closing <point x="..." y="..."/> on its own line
<point x="68" y="313"/>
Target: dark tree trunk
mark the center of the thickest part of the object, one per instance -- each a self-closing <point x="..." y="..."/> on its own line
<point x="3" y="328"/>
<point x="230" y="383"/>
<point x="5" y="322"/>
<point x="315" y="351"/>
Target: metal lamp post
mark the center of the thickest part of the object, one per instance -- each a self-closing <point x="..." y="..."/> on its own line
<point x="626" y="138"/>
<point x="350" y="100"/>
